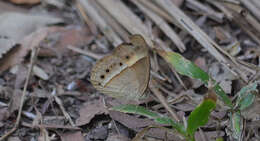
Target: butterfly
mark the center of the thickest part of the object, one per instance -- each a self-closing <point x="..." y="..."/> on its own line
<point x="125" y="72"/>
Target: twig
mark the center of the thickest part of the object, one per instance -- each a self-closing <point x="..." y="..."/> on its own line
<point x="90" y="54"/>
<point x="200" y="36"/>
<point x="256" y="3"/>
<point x="255" y="11"/>
<point x="101" y="23"/>
<point x="32" y="62"/>
<point x="222" y="8"/>
<point x="163" y="26"/>
<point x="85" y="17"/>
<point x="188" y="25"/>
<point x="199" y="7"/>
<point x="158" y="94"/>
<point x="150" y="5"/>
<point x="126" y="18"/>
<point x="58" y="101"/>
<point x="49" y="126"/>
<point x="111" y="21"/>
<point x="245" y="20"/>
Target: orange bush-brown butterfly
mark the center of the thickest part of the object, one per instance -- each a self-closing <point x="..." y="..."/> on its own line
<point x="125" y="72"/>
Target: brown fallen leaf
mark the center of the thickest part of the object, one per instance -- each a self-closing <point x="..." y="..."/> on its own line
<point x="3" y="113"/>
<point x="6" y="45"/>
<point x="13" y="139"/>
<point x="26" y="1"/>
<point x="89" y="110"/>
<point x="137" y="124"/>
<point x="27" y="24"/>
<point x="117" y="138"/>
<point x="62" y="37"/>
<point x="72" y="136"/>
<point x="16" y="55"/>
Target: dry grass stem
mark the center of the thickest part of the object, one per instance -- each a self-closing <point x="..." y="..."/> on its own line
<point x="163" y="26"/>
<point x="199" y="7"/>
<point x="101" y="23"/>
<point x="159" y="95"/>
<point x="126" y="18"/>
<point x="252" y="8"/>
<point x="87" y="53"/>
<point x="111" y="21"/>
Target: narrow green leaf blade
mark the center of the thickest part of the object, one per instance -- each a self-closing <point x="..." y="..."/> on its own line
<point x="236" y="125"/>
<point x="200" y="115"/>
<point x="135" y="109"/>
<point x="185" y="67"/>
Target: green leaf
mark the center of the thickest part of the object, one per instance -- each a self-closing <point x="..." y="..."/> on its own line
<point x="219" y="139"/>
<point x="134" y="109"/>
<point x="236" y="125"/>
<point x="246" y="96"/>
<point x="200" y="115"/>
<point x="185" y="67"/>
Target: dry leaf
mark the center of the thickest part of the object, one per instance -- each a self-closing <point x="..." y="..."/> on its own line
<point x="89" y="110"/>
<point x="13" y="139"/>
<point x="117" y="138"/>
<point x="16" y="55"/>
<point x="72" y="136"/>
<point x="3" y="113"/>
<point x="27" y="24"/>
<point x="13" y="34"/>
<point x="63" y="37"/>
<point x="40" y="72"/>
<point x="25" y="1"/>
<point x="6" y="45"/>
<point x="137" y="124"/>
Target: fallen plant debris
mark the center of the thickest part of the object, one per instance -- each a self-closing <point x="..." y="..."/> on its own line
<point x="204" y="70"/>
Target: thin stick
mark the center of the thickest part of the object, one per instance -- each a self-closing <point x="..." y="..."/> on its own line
<point x="32" y="62"/>
<point x="162" y="99"/>
<point x="255" y="11"/>
<point x="101" y="23"/>
<point x="67" y="116"/>
<point x="199" y="7"/>
<point x="92" y="26"/>
<point x="163" y="26"/>
<point x="81" y="51"/>
<point x="126" y="18"/>
<point x="111" y="21"/>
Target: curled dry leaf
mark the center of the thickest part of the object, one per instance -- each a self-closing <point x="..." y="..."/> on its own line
<point x="89" y="110"/>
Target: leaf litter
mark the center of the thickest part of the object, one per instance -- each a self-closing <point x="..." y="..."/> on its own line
<point x="57" y="67"/>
